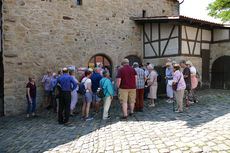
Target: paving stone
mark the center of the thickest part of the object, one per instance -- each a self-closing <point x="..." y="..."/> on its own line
<point x="203" y="127"/>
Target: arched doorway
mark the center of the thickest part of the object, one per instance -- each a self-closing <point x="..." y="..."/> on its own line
<point x="98" y="59"/>
<point x="220" y="73"/>
<point x="132" y="59"/>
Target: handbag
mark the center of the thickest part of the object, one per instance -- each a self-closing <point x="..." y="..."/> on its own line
<point x="170" y="82"/>
<point x="100" y="92"/>
<point x="174" y="86"/>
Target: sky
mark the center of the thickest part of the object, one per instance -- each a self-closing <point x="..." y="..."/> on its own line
<point x="197" y="9"/>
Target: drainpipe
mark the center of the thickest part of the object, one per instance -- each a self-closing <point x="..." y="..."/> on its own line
<point x="180" y="4"/>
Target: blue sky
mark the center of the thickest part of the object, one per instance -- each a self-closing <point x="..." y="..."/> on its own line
<point x="197" y="9"/>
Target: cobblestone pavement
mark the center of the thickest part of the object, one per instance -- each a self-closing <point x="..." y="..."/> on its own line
<point x="203" y="127"/>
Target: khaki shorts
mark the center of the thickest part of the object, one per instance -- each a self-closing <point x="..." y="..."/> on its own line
<point x="127" y="95"/>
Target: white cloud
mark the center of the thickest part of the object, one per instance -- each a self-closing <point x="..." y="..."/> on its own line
<point x="197" y="9"/>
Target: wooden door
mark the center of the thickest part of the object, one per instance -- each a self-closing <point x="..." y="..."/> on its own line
<point x="205" y="66"/>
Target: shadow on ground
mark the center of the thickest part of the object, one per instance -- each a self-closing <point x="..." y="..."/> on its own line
<point x="43" y="133"/>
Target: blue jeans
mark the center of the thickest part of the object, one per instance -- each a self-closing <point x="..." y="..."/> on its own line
<point x="29" y="105"/>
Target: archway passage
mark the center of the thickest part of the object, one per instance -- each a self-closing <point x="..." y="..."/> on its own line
<point x="221" y="73"/>
<point x="98" y="59"/>
<point x="133" y="59"/>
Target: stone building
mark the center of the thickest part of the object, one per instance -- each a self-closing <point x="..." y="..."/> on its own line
<point x="41" y="34"/>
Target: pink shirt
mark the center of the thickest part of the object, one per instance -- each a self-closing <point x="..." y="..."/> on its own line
<point x="179" y="76"/>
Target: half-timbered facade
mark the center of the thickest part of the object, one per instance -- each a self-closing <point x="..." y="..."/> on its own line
<point x="180" y="37"/>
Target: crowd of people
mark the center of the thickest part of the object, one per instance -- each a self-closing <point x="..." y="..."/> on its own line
<point x="132" y="84"/>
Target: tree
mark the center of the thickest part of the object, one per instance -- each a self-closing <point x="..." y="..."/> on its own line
<point x="220" y="9"/>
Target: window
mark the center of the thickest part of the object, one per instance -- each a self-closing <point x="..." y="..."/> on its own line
<point x="96" y="60"/>
<point x="79" y="2"/>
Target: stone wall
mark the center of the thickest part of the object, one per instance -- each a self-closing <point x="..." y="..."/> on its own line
<point x="218" y="50"/>
<point x="42" y="34"/>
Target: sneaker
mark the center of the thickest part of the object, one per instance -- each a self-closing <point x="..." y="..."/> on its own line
<point x="108" y="118"/>
<point x="124" y="117"/>
<point x="167" y="101"/>
<point x="89" y="118"/>
<point x="191" y="102"/>
<point x="171" y="101"/>
<point x="177" y="111"/>
<point x="131" y="114"/>
<point x="83" y="118"/>
<point x="67" y="123"/>
<point x="152" y="105"/>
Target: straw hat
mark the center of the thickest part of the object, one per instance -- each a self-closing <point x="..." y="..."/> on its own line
<point x="189" y="63"/>
<point x="168" y="64"/>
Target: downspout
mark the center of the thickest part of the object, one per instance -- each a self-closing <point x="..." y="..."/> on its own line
<point x="179" y="5"/>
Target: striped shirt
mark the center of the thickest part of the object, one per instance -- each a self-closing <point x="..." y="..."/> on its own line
<point x="140" y="78"/>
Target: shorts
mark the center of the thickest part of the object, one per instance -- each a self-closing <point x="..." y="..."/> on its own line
<point x="127" y="95"/>
<point x="96" y="98"/>
<point x="48" y="93"/>
<point x="87" y="98"/>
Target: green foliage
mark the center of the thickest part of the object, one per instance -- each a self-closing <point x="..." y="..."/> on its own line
<point x="220" y="9"/>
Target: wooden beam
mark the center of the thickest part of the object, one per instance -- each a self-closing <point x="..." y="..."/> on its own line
<point x="204" y="41"/>
<point x="179" y="39"/>
<point x="161" y="40"/>
<point x="159" y="34"/>
<point x="201" y="37"/>
<point x="172" y="55"/>
<point x="186" y="34"/>
<point x="143" y="36"/>
<point x="194" y="46"/>
<point x="151" y="31"/>
<point x="150" y="43"/>
<point x="170" y="35"/>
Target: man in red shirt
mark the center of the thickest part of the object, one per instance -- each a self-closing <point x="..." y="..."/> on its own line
<point x="126" y="82"/>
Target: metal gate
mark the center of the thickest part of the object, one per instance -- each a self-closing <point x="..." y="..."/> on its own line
<point x="221" y="73"/>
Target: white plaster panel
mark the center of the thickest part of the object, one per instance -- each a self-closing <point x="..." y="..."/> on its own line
<point x="156" y="47"/>
<point x="155" y="35"/>
<point x="205" y="46"/>
<point x="199" y="35"/>
<point x="172" y="47"/>
<point x="221" y="34"/>
<point x="147" y="31"/>
<point x="206" y="35"/>
<point x="185" y="48"/>
<point x="191" y="45"/>
<point x="148" y="51"/>
<point x="183" y="33"/>
<point x="191" y="31"/>
<point x="166" y="30"/>
<point x="197" y="49"/>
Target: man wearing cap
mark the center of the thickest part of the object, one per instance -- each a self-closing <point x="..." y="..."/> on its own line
<point x="140" y="87"/>
<point x="126" y="82"/>
<point x="68" y="84"/>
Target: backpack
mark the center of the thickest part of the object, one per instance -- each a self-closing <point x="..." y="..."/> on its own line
<point x="82" y="89"/>
<point x="100" y="91"/>
<point x="57" y="91"/>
